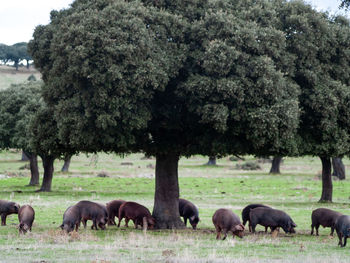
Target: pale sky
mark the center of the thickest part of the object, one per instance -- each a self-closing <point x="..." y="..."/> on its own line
<point x="18" y="18"/>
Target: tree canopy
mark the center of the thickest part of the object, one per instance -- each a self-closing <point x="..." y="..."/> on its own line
<point x="163" y="78"/>
<point x="177" y="78"/>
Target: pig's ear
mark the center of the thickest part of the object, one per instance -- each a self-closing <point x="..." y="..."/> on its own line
<point x="294" y="225"/>
<point x="192" y="218"/>
<point x="239" y="227"/>
<point x="61" y="226"/>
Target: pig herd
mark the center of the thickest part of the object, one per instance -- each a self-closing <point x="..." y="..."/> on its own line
<point x="224" y="220"/>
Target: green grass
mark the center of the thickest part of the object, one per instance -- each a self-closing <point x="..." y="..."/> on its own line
<point x="295" y="191"/>
<point x="9" y="75"/>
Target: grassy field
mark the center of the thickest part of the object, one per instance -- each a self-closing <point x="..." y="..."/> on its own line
<point x="9" y="75"/>
<point x="295" y="191"/>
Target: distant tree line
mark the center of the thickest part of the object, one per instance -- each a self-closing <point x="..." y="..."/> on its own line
<point x="14" y="53"/>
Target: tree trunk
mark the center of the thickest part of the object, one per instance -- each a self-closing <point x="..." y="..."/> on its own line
<point x="166" y="199"/>
<point x="276" y="163"/>
<point x="65" y="167"/>
<point x="48" y="173"/>
<point x="24" y="157"/>
<point x="212" y="160"/>
<point x="27" y="63"/>
<point x="34" y="170"/>
<point x="16" y="65"/>
<point x="327" y="186"/>
<point x="338" y="168"/>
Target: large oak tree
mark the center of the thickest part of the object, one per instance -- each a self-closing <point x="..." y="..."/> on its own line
<point x="169" y="78"/>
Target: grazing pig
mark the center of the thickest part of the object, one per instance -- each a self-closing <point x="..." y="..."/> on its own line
<point x="272" y="218"/>
<point x="135" y="212"/>
<point x="71" y="219"/>
<point x="26" y="216"/>
<point x="7" y="208"/>
<point x="324" y="217"/>
<point x="245" y="214"/>
<point x="342" y="226"/>
<point x="95" y="212"/>
<point x="225" y="220"/>
<point x="113" y="210"/>
<point x="188" y="211"/>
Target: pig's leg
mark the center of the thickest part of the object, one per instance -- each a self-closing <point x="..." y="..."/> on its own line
<point x="317" y="226"/>
<point x="345" y="238"/>
<point x="3" y="219"/>
<point x="253" y="227"/>
<point x="84" y="223"/>
<point x="225" y="234"/>
<point x="94" y="224"/>
<point x="340" y="243"/>
<point x="185" y="221"/>
<point x="332" y="230"/>
<point x="218" y="232"/>
<point x="119" y="220"/>
<point x="312" y="229"/>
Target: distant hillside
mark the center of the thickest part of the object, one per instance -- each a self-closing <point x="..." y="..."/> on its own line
<point x="9" y="75"/>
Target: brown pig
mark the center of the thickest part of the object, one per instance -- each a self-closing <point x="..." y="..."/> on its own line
<point x="7" y="208"/>
<point x="324" y="217"/>
<point x="225" y="220"/>
<point x="93" y="211"/>
<point x="135" y="212"/>
<point x="26" y="216"/>
<point x="113" y="210"/>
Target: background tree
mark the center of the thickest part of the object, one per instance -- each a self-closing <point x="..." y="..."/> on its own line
<point x="319" y="45"/>
<point x="212" y="160"/>
<point x="15" y="53"/>
<point x="66" y="164"/>
<point x="170" y="79"/>
<point x="3" y="53"/>
<point x="45" y="142"/>
<point x="275" y="165"/>
<point x="17" y="105"/>
<point x="338" y="168"/>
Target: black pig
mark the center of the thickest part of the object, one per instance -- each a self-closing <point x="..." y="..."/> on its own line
<point x="342" y="226"/>
<point x="7" y="208"/>
<point x="245" y="214"/>
<point x="26" y="217"/>
<point x="71" y="219"/>
<point x="188" y="211"/>
<point x="272" y="218"/>
<point x="113" y="210"/>
<point x="324" y="217"/>
<point x="95" y="212"/>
